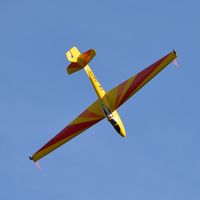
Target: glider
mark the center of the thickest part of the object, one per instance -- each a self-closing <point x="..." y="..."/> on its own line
<point x="107" y="103"/>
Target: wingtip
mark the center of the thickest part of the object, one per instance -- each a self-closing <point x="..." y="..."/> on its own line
<point x="30" y="158"/>
<point x="174" y="51"/>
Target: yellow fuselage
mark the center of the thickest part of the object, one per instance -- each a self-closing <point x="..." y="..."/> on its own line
<point x="112" y="116"/>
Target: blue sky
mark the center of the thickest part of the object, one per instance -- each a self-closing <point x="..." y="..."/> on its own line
<point x="159" y="158"/>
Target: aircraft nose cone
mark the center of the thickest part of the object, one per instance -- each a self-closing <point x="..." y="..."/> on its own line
<point x="123" y="133"/>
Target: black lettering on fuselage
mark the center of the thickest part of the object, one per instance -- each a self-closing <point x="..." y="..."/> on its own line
<point x="93" y="76"/>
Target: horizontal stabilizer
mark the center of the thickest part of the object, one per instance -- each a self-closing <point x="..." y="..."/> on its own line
<point x="86" y="57"/>
<point x="78" y="61"/>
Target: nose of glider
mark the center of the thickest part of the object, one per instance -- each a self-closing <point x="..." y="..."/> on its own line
<point x="122" y="131"/>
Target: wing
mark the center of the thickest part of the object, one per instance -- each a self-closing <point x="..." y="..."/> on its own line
<point x="118" y="95"/>
<point x="86" y="119"/>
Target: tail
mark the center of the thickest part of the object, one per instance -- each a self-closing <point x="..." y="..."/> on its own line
<point x="78" y="60"/>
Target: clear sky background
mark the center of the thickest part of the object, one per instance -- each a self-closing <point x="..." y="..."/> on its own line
<point x="159" y="158"/>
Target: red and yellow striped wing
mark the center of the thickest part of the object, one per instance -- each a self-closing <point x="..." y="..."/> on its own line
<point x="86" y="119"/>
<point x="118" y="95"/>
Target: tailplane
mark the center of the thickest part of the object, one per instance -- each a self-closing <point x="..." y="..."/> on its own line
<point x="78" y="60"/>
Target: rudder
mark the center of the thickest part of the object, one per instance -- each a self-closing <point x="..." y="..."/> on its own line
<point x="73" y="54"/>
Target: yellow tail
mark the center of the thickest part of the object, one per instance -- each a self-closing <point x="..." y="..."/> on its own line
<point x="78" y="60"/>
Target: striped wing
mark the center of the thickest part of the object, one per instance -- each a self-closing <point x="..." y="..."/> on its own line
<point x="118" y="95"/>
<point x="86" y="119"/>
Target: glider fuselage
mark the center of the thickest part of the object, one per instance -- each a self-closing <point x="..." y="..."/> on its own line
<point x="112" y="116"/>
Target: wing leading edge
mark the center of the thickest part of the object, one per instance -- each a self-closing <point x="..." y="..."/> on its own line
<point x="118" y="95"/>
<point x="85" y="120"/>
